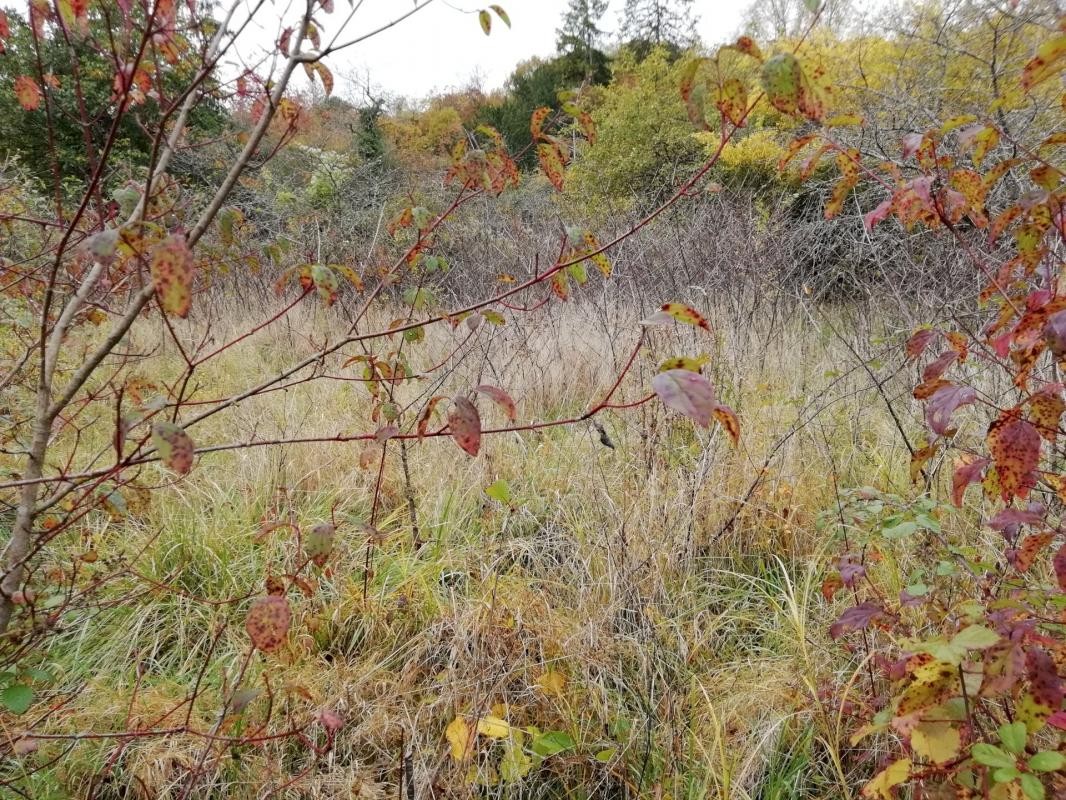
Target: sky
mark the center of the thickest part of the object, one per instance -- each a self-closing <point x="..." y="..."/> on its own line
<point x="442" y="46"/>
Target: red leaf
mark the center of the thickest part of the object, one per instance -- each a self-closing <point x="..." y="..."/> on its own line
<point x="688" y="393"/>
<point x="855" y="619"/>
<point x="918" y="341"/>
<point x="502" y="399"/>
<point x="1015" y="447"/>
<point x="172" y="274"/>
<point x="464" y="423"/>
<point x="175" y="446"/>
<point x="871" y="218"/>
<point x="1044" y="682"/>
<point x="28" y="93"/>
<point x="943" y="403"/>
<point x="966" y="472"/>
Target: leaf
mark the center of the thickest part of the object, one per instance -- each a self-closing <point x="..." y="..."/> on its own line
<point x="427" y="415"/>
<point x="552" y="682"/>
<point x="1047" y="61"/>
<point x="871" y="218"/>
<point x="855" y="618"/>
<point x="500" y="491"/>
<point x="975" y="637"/>
<point x="485" y="19"/>
<point x="318" y="543"/>
<point x="268" y="622"/>
<point x="464" y="424"/>
<point x="687" y="393"/>
<point x="500" y="398"/>
<point x="175" y="446"/>
<point x="172" y="274"/>
<point x="989" y="755"/>
<point x="493" y="727"/>
<point x="1047" y="761"/>
<point x="933" y="684"/>
<point x="1014" y="445"/>
<point x="460" y="739"/>
<point x="727" y="418"/>
<point x="536" y="122"/>
<point x="943" y="403"/>
<point x="323" y="73"/>
<point x="1044" y="682"/>
<point x="326" y="283"/>
<point x="782" y="80"/>
<point x="506" y="20"/>
<point x="28" y="93"/>
<point x="1032" y="788"/>
<point x="1013" y="736"/>
<point x="684" y="362"/>
<point x="686" y="314"/>
<point x="732" y="100"/>
<point x="886" y="780"/>
<point x="17" y="698"/>
<point x="967" y="470"/>
<point x="1059" y="563"/>
<point x="75" y="15"/>
<point x="551" y="743"/>
<point x="551" y="164"/>
<point x="938" y="742"/>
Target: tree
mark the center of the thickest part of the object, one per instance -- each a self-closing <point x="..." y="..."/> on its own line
<point x="647" y="24"/>
<point x="784" y="19"/>
<point x="580" y="33"/>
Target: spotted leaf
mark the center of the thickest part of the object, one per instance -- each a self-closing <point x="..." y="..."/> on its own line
<point x="268" y="622"/>
<point x="464" y="424"/>
<point x="175" y="446"/>
<point x="172" y="275"/>
<point x="1014" y="444"/>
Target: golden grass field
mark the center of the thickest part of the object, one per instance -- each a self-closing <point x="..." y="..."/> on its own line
<point x="681" y="655"/>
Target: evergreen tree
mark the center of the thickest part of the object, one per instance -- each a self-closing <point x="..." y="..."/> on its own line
<point x="647" y="24"/>
<point x="580" y="34"/>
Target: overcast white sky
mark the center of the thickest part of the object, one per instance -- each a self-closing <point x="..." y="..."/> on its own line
<point x="442" y="46"/>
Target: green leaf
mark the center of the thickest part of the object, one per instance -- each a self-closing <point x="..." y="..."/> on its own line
<point x="500" y="492"/>
<point x="899" y="531"/>
<point x="485" y="20"/>
<point x="502" y="15"/>
<point x="1031" y="786"/>
<point x="991" y="756"/>
<point x="1012" y="736"/>
<point x="976" y="637"/>
<point x="1006" y="775"/>
<point x="552" y="742"/>
<point x="17" y="698"/>
<point x="606" y="755"/>
<point x="1047" y="761"/>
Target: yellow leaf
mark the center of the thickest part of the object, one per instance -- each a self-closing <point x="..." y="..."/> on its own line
<point x="938" y="742"/>
<point x="552" y="682"/>
<point x="459" y="737"/>
<point x="493" y="727"/>
<point x="893" y="775"/>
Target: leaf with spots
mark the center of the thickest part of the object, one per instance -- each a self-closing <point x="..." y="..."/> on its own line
<point x="268" y="622"/>
<point x="1014" y="444"/>
<point x="172" y="275"/>
<point x="551" y="164"/>
<point x="932" y="685"/>
<point x="326" y="282"/>
<point x="1044" y="682"/>
<point x="731" y="100"/>
<point x="485" y="19"/>
<point x="686" y="314"/>
<point x="504" y="18"/>
<point x="318" y="543"/>
<point x="500" y="398"/>
<point x="427" y="414"/>
<point x="685" y="362"/>
<point x="782" y="80"/>
<point x="728" y="419"/>
<point x="1050" y="58"/>
<point x="175" y="446"/>
<point x="1059" y="563"/>
<point x="1045" y="411"/>
<point x="464" y="424"/>
<point x="1029" y="548"/>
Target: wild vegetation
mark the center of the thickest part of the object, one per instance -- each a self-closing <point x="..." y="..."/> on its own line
<point x="676" y="421"/>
